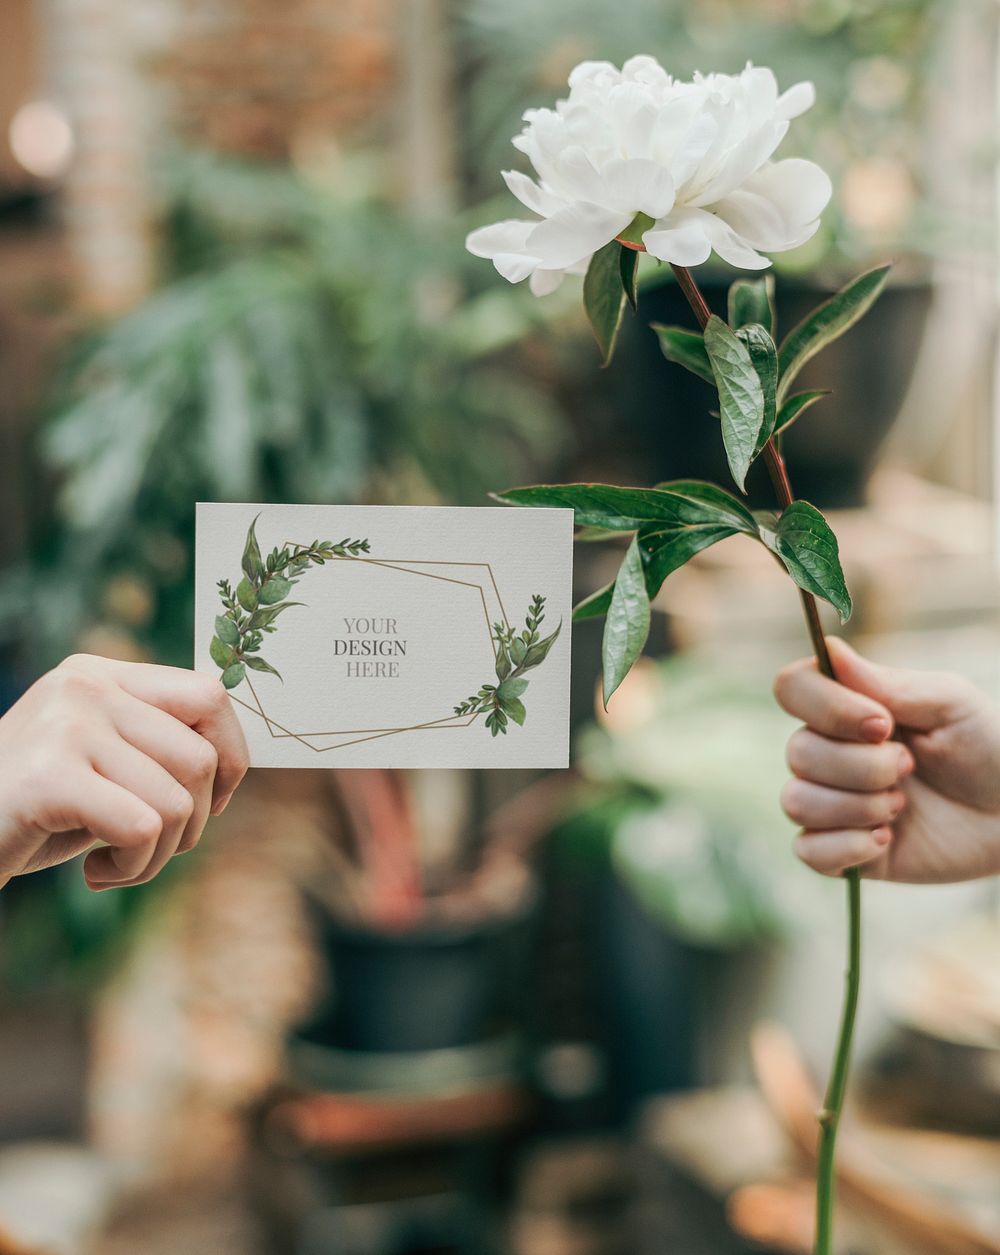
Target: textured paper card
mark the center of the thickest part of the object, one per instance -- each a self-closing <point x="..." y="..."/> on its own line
<point x="389" y="636"/>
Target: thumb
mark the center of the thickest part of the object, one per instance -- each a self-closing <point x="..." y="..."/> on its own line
<point x="916" y="699"/>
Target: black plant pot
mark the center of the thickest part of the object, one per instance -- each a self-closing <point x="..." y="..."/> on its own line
<point x="423" y="989"/>
<point x="662" y="411"/>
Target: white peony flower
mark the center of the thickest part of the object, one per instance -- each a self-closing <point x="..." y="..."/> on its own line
<point x="695" y="158"/>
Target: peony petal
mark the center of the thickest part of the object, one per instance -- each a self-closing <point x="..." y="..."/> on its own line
<point x="588" y="71"/>
<point x="795" y="101"/>
<point x="683" y="134"/>
<point x="646" y="69"/>
<point x="504" y="244"/>
<point x="679" y="238"/>
<point x="760" y="89"/>
<point x="573" y="233"/>
<point x="632" y="115"/>
<point x="538" y="199"/>
<point x="543" y="282"/>
<point x="739" y="163"/>
<point x="800" y="189"/>
<point x="638" y="186"/>
<point x="508" y="236"/>
<point x="514" y="267"/>
<point x="730" y="247"/>
<point x="578" y="178"/>
<point x="755" y="218"/>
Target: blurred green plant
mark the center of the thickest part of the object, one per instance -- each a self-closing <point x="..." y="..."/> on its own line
<point x="706" y="853"/>
<point x="871" y="61"/>
<point x="305" y="347"/>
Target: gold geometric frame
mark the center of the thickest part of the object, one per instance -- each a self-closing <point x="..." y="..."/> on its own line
<point x="278" y="732"/>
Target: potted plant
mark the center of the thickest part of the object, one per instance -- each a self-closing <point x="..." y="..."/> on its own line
<point x="426" y="958"/>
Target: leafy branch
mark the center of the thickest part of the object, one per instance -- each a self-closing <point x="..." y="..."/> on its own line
<point x="251" y="609"/>
<point x="672" y="522"/>
<point x="517" y="652"/>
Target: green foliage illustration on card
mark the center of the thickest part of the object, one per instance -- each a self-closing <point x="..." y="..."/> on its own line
<point x="516" y="654"/>
<point x="250" y="611"/>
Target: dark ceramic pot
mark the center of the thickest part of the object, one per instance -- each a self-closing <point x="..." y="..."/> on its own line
<point x="423" y="989"/>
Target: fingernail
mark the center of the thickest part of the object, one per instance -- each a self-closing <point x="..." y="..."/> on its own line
<point x="882" y="836"/>
<point x="906" y="762"/>
<point x="896" y="802"/>
<point x="875" y="728"/>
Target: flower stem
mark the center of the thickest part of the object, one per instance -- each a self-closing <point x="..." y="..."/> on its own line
<point x="833" y="1102"/>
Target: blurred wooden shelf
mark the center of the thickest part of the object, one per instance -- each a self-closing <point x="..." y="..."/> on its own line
<point x="351" y="1124"/>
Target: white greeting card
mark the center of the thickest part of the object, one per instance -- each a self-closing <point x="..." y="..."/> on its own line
<point x="389" y="636"/>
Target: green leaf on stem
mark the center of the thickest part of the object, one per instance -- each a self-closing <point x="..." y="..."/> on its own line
<point x="628" y="268"/>
<point x="741" y="397"/>
<point x="595" y="605"/>
<point x="686" y="348"/>
<point x="805" y="543"/>
<point x="595" y="535"/>
<point x="716" y="504"/>
<point x="627" y="509"/>
<point x="627" y="624"/>
<point x="764" y="356"/>
<point x="223" y="655"/>
<point x="253" y="565"/>
<point x="752" y="300"/>
<point x="233" y="675"/>
<point x="274" y="590"/>
<point x="827" y="322"/>
<point x="664" y="552"/>
<point x="796" y="405"/>
<point x="258" y="664"/>
<point x="226" y="630"/>
<point x="604" y="297"/>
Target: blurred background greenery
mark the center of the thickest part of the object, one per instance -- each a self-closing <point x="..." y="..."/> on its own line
<point x="231" y="240"/>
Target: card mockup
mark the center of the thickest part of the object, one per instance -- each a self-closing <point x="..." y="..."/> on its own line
<point x="389" y="636"/>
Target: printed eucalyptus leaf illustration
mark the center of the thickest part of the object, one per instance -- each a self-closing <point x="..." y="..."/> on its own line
<point x="246" y="594"/>
<point x="226" y="630"/>
<point x="258" y="664"/>
<point x="274" y="589"/>
<point x="234" y="675"/>
<point x="222" y="655"/>
<point x="517" y="652"/>
<point x="253" y="567"/>
<point x="260" y="597"/>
